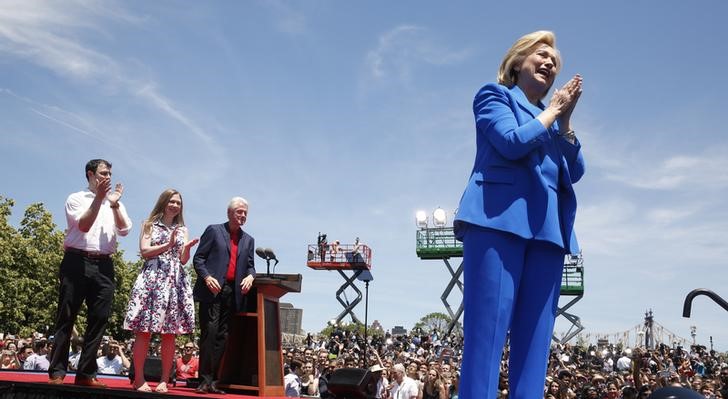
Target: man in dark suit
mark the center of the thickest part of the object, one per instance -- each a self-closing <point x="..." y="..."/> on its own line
<point x="225" y="271"/>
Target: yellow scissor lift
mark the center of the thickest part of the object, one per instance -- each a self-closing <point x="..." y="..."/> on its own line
<point x="440" y="243"/>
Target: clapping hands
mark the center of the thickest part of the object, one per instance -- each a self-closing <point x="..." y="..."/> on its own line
<point x="564" y="99"/>
<point x="191" y="243"/>
<point x="115" y="196"/>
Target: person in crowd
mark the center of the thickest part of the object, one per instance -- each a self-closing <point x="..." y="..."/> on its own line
<point x="516" y="218"/>
<point x="629" y="392"/>
<point x="323" y="381"/>
<point x="309" y="379"/>
<point x="25" y="352"/>
<point x="434" y="388"/>
<point x="555" y="390"/>
<point x="96" y="217"/>
<point x="404" y="387"/>
<point x="188" y="363"/>
<point x="624" y="363"/>
<point x="380" y="380"/>
<point x="112" y="359"/>
<point x="292" y="380"/>
<point x="448" y="381"/>
<point x="611" y="390"/>
<point x="11" y="345"/>
<point x="225" y="266"/>
<point x="76" y="346"/>
<point x="39" y="359"/>
<point x="161" y="298"/>
<point x="9" y="360"/>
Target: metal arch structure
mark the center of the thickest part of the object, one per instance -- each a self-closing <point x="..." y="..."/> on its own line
<point x="348" y="260"/>
<point x="440" y="243"/>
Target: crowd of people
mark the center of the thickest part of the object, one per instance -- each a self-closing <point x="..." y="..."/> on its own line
<point x="428" y="366"/>
<point x="114" y="357"/>
<point x="422" y="366"/>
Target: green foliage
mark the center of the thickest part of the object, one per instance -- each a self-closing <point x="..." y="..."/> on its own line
<point x="436" y="322"/>
<point x="125" y="274"/>
<point x="350" y="328"/>
<point x="29" y="259"/>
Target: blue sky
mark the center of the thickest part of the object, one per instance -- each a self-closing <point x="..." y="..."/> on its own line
<point x="348" y="117"/>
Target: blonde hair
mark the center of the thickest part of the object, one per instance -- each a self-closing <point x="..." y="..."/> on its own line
<point x="522" y="48"/>
<point x="158" y="210"/>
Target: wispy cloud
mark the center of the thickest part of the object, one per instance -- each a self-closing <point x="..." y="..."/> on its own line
<point x="675" y="172"/>
<point x="62" y="117"/>
<point x="399" y="50"/>
<point x="286" y="18"/>
<point x="48" y="34"/>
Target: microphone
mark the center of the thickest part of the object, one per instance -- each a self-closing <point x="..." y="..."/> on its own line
<point x="270" y="254"/>
<point x="260" y="251"/>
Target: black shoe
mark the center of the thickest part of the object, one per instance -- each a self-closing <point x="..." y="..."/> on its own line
<point x="214" y="389"/>
<point x="203" y="388"/>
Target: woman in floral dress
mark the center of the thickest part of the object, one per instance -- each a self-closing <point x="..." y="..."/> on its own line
<point x="161" y="299"/>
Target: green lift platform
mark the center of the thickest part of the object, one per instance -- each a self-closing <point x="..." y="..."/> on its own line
<point x="439" y="243"/>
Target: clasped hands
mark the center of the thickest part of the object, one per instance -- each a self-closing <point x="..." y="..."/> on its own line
<point x="564" y="99"/>
<point x="214" y="286"/>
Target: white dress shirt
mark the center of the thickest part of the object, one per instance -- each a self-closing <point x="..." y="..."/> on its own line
<point x="101" y="238"/>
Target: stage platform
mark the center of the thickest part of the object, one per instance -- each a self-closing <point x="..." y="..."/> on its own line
<point x="16" y="384"/>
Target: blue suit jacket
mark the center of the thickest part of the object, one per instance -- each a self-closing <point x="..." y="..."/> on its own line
<point x="212" y="257"/>
<point x="522" y="178"/>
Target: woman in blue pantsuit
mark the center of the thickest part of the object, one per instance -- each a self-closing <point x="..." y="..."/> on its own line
<point x="516" y="219"/>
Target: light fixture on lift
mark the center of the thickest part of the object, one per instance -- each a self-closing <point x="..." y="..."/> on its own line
<point x="421" y="218"/>
<point x="439" y="217"/>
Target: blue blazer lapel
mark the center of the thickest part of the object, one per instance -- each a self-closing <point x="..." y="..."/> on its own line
<point x="523" y="102"/>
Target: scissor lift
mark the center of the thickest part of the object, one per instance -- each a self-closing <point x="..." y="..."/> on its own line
<point x="572" y="285"/>
<point x="440" y="243"/>
<point x="343" y="258"/>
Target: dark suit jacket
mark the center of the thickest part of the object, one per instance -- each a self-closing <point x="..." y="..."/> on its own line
<point x="522" y="178"/>
<point x="212" y="258"/>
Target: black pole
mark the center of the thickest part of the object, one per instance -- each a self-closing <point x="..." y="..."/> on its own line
<point x="687" y="306"/>
<point x="366" y="317"/>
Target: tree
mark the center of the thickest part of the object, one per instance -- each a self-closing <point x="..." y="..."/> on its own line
<point x="357" y="328"/>
<point x="438" y="322"/>
<point x="29" y="261"/>
<point x="125" y="273"/>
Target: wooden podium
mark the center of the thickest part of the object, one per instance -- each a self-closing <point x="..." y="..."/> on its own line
<point x="252" y="360"/>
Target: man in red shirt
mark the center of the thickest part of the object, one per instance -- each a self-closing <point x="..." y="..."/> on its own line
<point x="225" y="271"/>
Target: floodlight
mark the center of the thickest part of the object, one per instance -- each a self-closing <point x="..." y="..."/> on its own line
<point x="421" y="218"/>
<point x="439" y="217"/>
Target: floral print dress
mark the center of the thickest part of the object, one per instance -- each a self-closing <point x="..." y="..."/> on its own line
<point x="161" y="299"/>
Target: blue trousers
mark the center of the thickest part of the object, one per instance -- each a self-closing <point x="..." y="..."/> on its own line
<point x="510" y="283"/>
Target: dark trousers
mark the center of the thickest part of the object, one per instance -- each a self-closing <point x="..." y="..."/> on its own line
<point x="214" y="320"/>
<point x="82" y="280"/>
